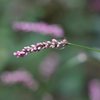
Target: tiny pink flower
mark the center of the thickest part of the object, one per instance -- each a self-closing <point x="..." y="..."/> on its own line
<point x="14" y="53"/>
<point x="39" y="48"/>
<point x="48" y="42"/>
<point x="54" y="40"/>
<point x="58" y="46"/>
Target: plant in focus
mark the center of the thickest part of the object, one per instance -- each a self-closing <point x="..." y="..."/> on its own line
<point x="51" y="44"/>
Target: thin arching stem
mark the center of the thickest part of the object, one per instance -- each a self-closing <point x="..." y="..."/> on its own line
<point x="83" y="47"/>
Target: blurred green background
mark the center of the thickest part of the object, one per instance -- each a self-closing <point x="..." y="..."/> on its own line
<point x="74" y="67"/>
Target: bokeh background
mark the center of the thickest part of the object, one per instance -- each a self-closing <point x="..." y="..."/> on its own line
<point x="69" y="73"/>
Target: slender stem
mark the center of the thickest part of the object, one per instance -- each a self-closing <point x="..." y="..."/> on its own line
<point x="83" y="47"/>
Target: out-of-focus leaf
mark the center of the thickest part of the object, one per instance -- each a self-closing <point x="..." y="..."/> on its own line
<point x="4" y="56"/>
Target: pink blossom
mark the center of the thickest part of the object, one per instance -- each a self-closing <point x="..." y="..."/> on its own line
<point x="49" y="65"/>
<point x="39" y="46"/>
<point x="19" y="76"/>
<point x="94" y="89"/>
<point x="42" y="27"/>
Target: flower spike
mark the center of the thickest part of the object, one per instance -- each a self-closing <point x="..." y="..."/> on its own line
<point x="40" y="46"/>
<point x="41" y="27"/>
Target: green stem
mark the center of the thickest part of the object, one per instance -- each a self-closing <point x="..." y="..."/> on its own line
<point x="83" y="47"/>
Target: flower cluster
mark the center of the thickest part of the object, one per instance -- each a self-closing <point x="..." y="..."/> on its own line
<point x="49" y="65"/>
<point x="51" y="44"/>
<point x="19" y="76"/>
<point x="42" y="27"/>
<point x="94" y="89"/>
